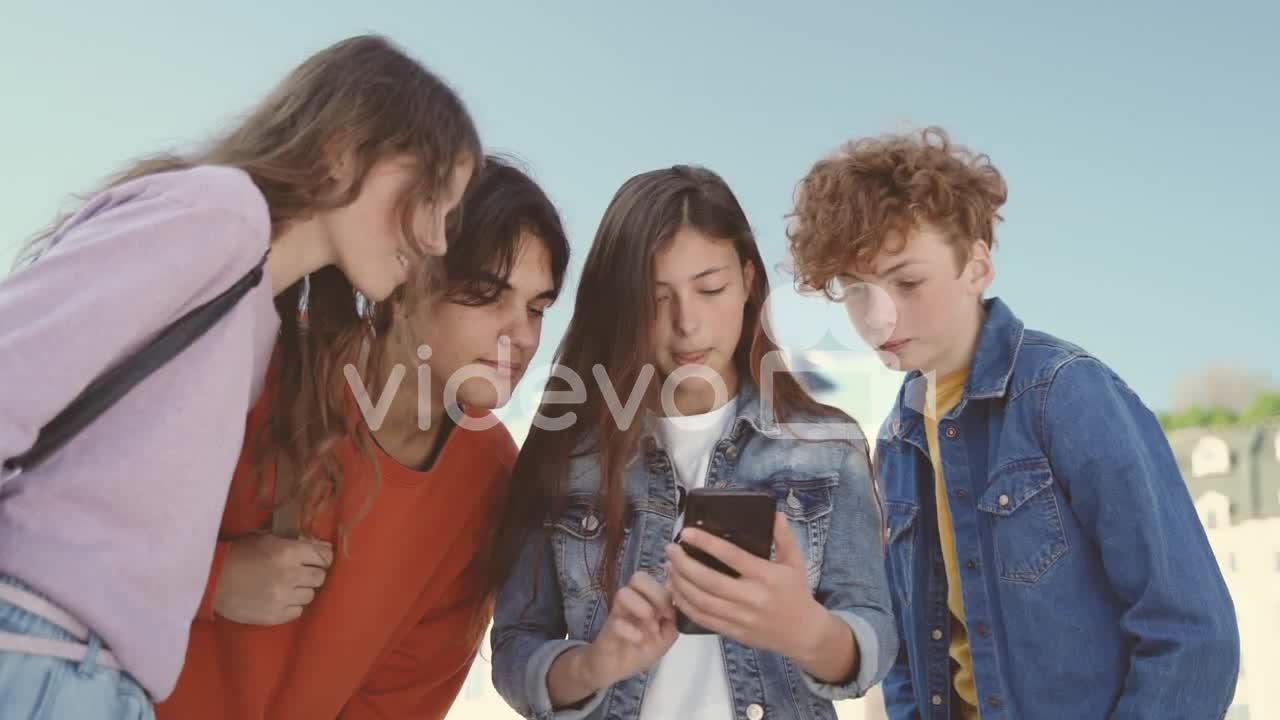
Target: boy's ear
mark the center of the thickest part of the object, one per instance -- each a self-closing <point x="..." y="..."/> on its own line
<point x="981" y="268"/>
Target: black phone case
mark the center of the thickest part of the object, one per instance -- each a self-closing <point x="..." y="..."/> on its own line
<point x="742" y="517"/>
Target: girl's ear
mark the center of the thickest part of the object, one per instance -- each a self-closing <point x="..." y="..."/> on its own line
<point x="340" y="156"/>
<point x="748" y="278"/>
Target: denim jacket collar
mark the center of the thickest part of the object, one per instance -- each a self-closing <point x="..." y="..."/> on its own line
<point x="999" y="342"/>
<point x="751" y="412"/>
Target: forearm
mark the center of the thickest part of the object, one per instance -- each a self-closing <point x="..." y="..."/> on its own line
<point x="832" y="656"/>
<point x="1183" y="669"/>
<point x="569" y="681"/>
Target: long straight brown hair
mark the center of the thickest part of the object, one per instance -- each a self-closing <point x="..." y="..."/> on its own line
<point x="364" y="98"/>
<point x="611" y="328"/>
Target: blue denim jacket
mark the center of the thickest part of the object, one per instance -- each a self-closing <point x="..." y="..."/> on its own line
<point x="824" y="488"/>
<point x="1089" y="586"/>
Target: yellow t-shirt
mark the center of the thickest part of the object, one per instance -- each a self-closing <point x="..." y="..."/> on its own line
<point x="949" y="390"/>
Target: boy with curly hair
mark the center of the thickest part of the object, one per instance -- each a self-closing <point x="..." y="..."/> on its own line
<point x="1043" y="550"/>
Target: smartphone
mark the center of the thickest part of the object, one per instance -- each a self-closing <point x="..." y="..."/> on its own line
<point x="742" y="517"/>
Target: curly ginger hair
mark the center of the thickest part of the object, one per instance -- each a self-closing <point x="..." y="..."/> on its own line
<point x="865" y="198"/>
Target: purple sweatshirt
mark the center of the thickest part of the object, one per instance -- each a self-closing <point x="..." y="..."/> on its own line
<point x="119" y="526"/>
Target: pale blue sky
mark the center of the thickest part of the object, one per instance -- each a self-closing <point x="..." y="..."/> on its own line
<point x="1138" y="138"/>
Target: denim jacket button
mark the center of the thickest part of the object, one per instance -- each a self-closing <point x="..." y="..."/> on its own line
<point x="731" y="451"/>
<point x="1003" y="500"/>
<point x="952" y="432"/>
<point x="754" y="712"/>
<point x="793" y="502"/>
<point x="936" y="699"/>
<point x="590" y="523"/>
<point x="936" y="635"/>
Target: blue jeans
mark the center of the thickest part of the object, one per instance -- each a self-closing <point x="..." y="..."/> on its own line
<point x="49" y="688"/>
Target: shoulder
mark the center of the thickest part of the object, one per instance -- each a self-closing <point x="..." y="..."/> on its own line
<point x="826" y="437"/>
<point x="1054" y="367"/>
<point x="188" y="232"/>
<point x="1042" y="357"/>
<point x="215" y="206"/>
<point x="1074" y="389"/>
<point x="215" y="188"/>
<point x="828" y="426"/>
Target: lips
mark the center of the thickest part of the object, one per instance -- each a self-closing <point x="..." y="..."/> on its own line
<point x="508" y="369"/>
<point x="690" y="358"/>
<point x="894" y="346"/>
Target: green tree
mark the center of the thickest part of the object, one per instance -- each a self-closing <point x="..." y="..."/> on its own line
<point x="1265" y="405"/>
<point x="1198" y="417"/>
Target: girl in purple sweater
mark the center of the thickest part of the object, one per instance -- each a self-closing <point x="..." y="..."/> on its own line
<point x="342" y="177"/>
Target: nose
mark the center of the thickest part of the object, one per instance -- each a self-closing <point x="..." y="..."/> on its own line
<point x="521" y="332"/>
<point x="883" y="314"/>
<point x="873" y="313"/>
<point x="685" y="317"/>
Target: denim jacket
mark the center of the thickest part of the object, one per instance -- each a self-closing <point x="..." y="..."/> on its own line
<point x="824" y="488"/>
<point x="1089" y="586"/>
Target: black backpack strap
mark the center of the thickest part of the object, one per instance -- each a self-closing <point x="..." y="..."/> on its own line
<point x="114" y="384"/>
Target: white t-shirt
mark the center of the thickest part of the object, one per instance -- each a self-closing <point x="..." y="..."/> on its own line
<point x="690" y="681"/>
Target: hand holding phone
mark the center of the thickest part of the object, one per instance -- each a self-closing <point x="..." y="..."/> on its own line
<point x="762" y="603"/>
<point x="735" y="515"/>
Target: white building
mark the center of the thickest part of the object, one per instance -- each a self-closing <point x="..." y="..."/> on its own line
<point x="1234" y="476"/>
<point x="1249" y="555"/>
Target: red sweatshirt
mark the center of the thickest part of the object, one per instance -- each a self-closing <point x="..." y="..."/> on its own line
<point x="397" y="623"/>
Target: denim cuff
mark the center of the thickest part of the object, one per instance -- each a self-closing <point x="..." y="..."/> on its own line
<point x="868" y="662"/>
<point x="536" y="684"/>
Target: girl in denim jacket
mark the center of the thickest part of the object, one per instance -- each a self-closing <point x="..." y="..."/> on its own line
<point x="690" y="391"/>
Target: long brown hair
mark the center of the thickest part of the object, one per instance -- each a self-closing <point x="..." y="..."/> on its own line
<point x="502" y="204"/>
<point x="611" y="328"/>
<point x="364" y="98"/>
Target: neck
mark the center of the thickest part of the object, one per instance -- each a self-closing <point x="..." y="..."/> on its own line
<point x="401" y="435"/>
<point x="298" y="250"/>
<point x="695" y="397"/>
<point x="966" y="346"/>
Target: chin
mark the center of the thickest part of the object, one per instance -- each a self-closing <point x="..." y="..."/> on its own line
<point x="376" y="292"/>
<point x="484" y="394"/>
<point x="895" y="362"/>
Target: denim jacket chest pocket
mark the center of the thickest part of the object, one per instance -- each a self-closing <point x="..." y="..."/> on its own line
<point x="578" y="538"/>
<point x="1024" y="512"/>
<point x="806" y="500"/>
<point x="900" y="528"/>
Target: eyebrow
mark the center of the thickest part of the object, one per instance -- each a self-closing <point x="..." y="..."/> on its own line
<point x="891" y="270"/>
<point x="699" y="276"/>
<point x="502" y="284"/>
